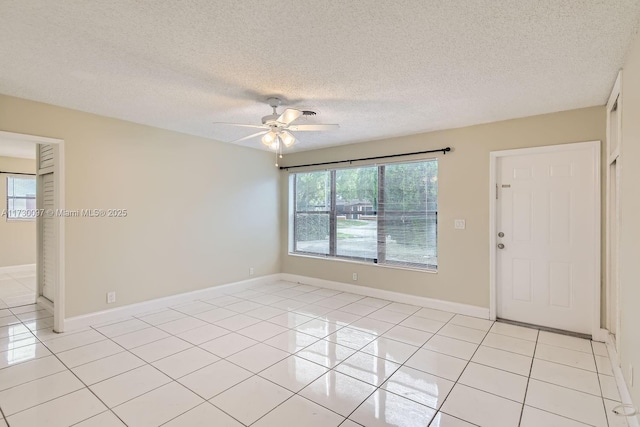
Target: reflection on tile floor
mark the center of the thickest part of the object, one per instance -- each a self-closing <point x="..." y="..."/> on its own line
<point x="18" y="287"/>
<point x="285" y="354"/>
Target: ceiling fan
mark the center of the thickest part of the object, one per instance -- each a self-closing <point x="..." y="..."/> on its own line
<point x="277" y="128"/>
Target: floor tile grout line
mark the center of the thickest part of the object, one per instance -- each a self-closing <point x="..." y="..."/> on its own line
<point x="600" y="385"/>
<point x="568" y="349"/>
<point x="457" y="381"/>
<point x="298" y="392"/>
<point x="206" y="402"/>
<point x="560" y="385"/>
<point x="130" y="352"/>
<point x="98" y="414"/>
<point x="566" y="417"/>
<point x="571" y="366"/>
<point x="562" y="416"/>
<point x="456" y="417"/>
<point x="104" y="357"/>
<point x="526" y="389"/>
<point x="3" y="416"/>
<point x="35" y="379"/>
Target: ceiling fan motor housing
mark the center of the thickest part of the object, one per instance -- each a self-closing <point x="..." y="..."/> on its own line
<point x="270" y="120"/>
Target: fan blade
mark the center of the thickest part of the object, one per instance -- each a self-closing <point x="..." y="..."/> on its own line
<point x="306" y="128"/>
<point x="288" y="116"/>
<point x="242" y="125"/>
<point x="249" y="137"/>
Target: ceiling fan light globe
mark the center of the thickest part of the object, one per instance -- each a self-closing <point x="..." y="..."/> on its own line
<point x="269" y="138"/>
<point x="274" y="145"/>
<point x="287" y="139"/>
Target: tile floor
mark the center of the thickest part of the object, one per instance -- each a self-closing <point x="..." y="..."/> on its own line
<point x="18" y="288"/>
<point x="285" y="354"/>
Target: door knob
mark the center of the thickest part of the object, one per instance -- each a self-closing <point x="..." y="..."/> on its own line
<point x="500" y="246"/>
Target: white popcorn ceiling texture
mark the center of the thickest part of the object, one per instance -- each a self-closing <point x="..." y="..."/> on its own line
<point x="378" y="68"/>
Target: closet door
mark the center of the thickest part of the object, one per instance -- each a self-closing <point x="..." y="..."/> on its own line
<point x="48" y="222"/>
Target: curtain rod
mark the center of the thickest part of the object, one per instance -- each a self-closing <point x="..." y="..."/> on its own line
<point x="444" y="151"/>
<point x="18" y="173"/>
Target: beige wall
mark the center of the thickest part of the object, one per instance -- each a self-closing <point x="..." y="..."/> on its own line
<point x="463" y="182"/>
<point x="629" y="334"/>
<point x="18" y="238"/>
<point x="200" y="212"/>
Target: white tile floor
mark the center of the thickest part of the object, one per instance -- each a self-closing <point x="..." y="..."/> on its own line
<point x="18" y="288"/>
<point x="285" y="354"/>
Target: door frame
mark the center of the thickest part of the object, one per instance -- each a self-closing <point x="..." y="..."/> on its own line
<point x="57" y="307"/>
<point x="598" y="334"/>
<point x="613" y="155"/>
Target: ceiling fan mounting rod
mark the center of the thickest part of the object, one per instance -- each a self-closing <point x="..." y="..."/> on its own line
<point x="274" y="103"/>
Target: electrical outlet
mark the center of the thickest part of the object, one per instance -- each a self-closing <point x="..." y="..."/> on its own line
<point x="250" y="271"/>
<point x="111" y="297"/>
<point x="459" y="224"/>
<point x="355" y="276"/>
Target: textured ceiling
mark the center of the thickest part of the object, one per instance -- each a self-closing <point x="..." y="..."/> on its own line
<point x="378" y="68"/>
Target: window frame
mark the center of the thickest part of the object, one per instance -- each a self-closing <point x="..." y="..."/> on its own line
<point x="379" y="211"/>
<point x="9" y="217"/>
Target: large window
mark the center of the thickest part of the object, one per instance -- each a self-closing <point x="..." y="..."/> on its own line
<point x="21" y="198"/>
<point x="386" y="214"/>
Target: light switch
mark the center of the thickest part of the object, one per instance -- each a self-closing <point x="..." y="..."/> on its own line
<point x="459" y="224"/>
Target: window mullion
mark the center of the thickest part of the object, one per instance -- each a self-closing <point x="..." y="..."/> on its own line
<point x="295" y="212"/>
<point x="333" y="227"/>
<point x="382" y="236"/>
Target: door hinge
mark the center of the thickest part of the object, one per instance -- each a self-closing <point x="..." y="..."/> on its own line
<point x="496" y="191"/>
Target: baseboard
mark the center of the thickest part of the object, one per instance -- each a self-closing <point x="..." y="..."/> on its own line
<point x="601" y="335"/>
<point x="115" y="314"/>
<point x="625" y="396"/>
<point x="46" y="304"/>
<point x="454" y="307"/>
<point x="16" y="268"/>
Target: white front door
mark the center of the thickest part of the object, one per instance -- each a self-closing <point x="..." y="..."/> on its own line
<point x="547" y="227"/>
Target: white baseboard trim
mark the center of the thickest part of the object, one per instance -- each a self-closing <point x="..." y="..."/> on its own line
<point x="454" y="307"/>
<point x="115" y="314"/>
<point x="16" y="268"/>
<point x="46" y="304"/>
<point x="601" y="335"/>
<point x="625" y="396"/>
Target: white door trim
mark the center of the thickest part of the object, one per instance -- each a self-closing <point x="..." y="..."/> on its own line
<point x="59" y="186"/>
<point x="597" y="333"/>
<point x="613" y="156"/>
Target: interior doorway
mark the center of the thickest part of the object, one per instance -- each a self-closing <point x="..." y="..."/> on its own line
<point x="18" y="253"/>
<point x="41" y="214"/>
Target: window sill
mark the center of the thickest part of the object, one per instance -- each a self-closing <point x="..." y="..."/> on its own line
<point x="368" y="264"/>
